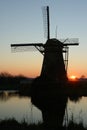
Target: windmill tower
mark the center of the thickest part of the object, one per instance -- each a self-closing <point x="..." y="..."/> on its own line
<point x="54" y="65"/>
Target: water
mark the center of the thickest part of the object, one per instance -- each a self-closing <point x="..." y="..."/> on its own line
<point x="77" y="111"/>
<point x="19" y="107"/>
<point x="14" y="106"/>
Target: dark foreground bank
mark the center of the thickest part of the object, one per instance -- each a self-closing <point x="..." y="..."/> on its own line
<point x="13" y="124"/>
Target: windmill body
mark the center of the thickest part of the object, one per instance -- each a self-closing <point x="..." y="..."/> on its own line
<point x="53" y="63"/>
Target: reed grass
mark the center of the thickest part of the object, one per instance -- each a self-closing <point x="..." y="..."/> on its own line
<point x="13" y="124"/>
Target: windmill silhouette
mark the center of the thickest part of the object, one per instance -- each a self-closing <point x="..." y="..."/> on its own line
<point x="48" y="90"/>
<point x="55" y="52"/>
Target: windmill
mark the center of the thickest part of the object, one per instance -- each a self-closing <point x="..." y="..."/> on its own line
<point x="55" y="52"/>
<point x="53" y="75"/>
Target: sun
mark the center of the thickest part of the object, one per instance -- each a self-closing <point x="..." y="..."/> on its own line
<point x="73" y="78"/>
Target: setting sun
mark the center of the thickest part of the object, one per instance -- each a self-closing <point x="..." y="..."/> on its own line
<point x="73" y="77"/>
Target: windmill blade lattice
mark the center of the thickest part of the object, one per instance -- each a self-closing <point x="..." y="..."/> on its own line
<point x="46" y="22"/>
<point x="27" y="47"/>
<point x="70" y="41"/>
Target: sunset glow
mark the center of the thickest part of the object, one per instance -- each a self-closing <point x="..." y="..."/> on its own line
<point x="73" y="78"/>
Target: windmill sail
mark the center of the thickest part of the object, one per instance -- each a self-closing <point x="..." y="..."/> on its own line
<point x="69" y="41"/>
<point x="27" y="47"/>
<point x="46" y="22"/>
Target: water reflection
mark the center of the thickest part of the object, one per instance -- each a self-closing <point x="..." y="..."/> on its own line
<point x="5" y="95"/>
<point x="77" y="111"/>
<point x="12" y="105"/>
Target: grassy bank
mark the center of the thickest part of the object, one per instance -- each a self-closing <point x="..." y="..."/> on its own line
<point x="13" y="124"/>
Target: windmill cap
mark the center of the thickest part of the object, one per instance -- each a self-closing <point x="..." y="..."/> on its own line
<point x="54" y="42"/>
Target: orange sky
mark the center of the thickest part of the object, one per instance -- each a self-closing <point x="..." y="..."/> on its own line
<point x="30" y="64"/>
